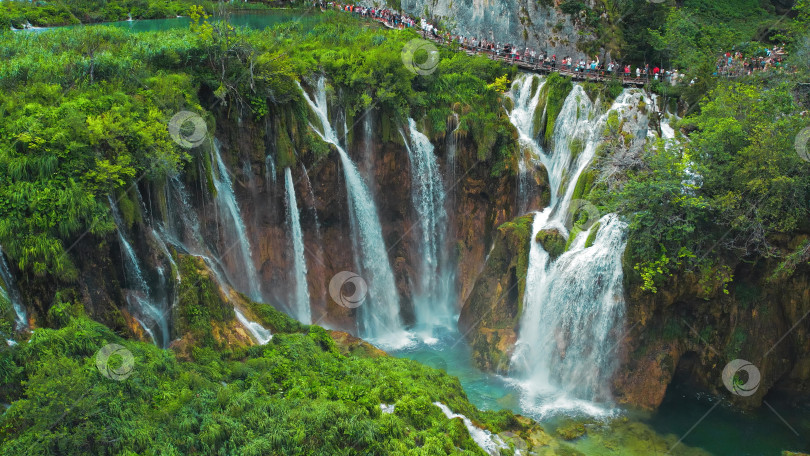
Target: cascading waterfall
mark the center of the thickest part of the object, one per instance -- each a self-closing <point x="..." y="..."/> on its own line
<point x="522" y="115"/>
<point x="150" y="314"/>
<point x="235" y="232"/>
<point x="574" y="305"/>
<point x="379" y="313"/>
<point x="9" y="290"/>
<point x="433" y="287"/>
<point x="185" y="233"/>
<point x="301" y="293"/>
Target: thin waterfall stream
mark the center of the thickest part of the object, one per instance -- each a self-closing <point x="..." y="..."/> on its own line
<point x="235" y="232"/>
<point x="150" y="314"/>
<point x="9" y="290"/>
<point x="301" y="293"/>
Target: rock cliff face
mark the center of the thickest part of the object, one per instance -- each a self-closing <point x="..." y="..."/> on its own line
<point x="491" y="313"/>
<point x="476" y="203"/>
<point x="687" y="332"/>
<point x="536" y="24"/>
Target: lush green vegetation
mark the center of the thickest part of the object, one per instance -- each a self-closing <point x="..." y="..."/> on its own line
<point x="19" y="14"/>
<point x="85" y="111"/>
<point x="296" y="395"/>
<point x="736" y="189"/>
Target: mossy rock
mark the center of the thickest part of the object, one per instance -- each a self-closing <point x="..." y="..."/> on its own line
<point x="552" y="241"/>
<point x="592" y="235"/>
<point x="571" y="430"/>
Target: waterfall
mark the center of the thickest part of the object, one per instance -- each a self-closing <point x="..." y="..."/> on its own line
<point x="522" y="117"/>
<point x="379" y="313"/>
<point x="311" y="202"/>
<point x="368" y="142"/>
<point x="301" y="294"/>
<point x="185" y="233"/>
<point x="150" y="314"/>
<point x="452" y="145"/>
<point x="269" y="171"/>
<point x="573" y="306"/>
<point x="9" y="290"/>
<point x="492" y="444"/>
<point x="259" y="332"/>
<point x="433" y="288"/>
<point x="235" y="231"/>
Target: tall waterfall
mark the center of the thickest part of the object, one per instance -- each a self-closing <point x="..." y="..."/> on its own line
<point x="574" y="306"/>
<point x="433" y="287"/>
<point x="235" y="232"/>
<point x="8" y="288"/>
<point x="379" y="313"/>
<point x="301" y="294"/>
<point x="151" y="314"/>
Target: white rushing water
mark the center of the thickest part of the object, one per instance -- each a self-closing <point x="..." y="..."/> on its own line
<point x="573" y="306"/>
<point x="269" y="171"/>
<point x="301" y="293"/>
<point x="183" y="230"/>
<point x="259" y="332"/>
<point x="489" y="442"/>
<point x="522" y="116"/>
<point x="379" y="313"/>
<point x="236" y="239"/>
<point x="8" y="288"/>
<point x="432" y="289"/>
<point x="151" y="314"/>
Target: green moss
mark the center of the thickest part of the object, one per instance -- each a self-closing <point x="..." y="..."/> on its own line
<point x="199" y="300"/>
<point x="571" y="430"/>
<point x="272" y="319"/>
<point x="592" y="235"/>
<point x="285" y="150"/>
<point x="576" y="147"/>
<point x="584" y="185"/>
<point x="519" y="233"/>
<point x="552" y="241"/>
<point x="572" y="235"/>
<point x="129" y="208"/>
<point x="556" y="90"/>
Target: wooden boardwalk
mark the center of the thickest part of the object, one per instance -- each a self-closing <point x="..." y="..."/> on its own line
<point x="545" y="68"/>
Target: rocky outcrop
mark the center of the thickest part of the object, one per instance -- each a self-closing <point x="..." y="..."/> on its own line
<point x="491" y="314"/>
<point x="688" y="332"/>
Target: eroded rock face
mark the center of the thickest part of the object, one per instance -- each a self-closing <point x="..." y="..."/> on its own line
<point x="491" y="314"/>
<point x="536" y="24"/>
<point x="476" y="202"/>
<point x="687" y="332"/>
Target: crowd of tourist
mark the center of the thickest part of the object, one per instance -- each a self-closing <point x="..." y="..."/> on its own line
<point x="736" y="64"/>
<point x="729" y="65"/>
